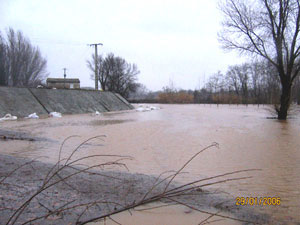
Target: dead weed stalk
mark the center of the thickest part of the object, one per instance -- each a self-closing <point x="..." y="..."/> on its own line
<point x="169" y="193"/>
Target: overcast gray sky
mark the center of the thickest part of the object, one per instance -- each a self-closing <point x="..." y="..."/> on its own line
<point x="167" y="39"/>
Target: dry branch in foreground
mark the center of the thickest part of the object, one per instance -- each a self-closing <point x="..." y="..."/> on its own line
<point x="71" y="191"/>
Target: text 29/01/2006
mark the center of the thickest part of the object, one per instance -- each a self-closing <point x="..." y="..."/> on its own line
<point x="262" y="201"/>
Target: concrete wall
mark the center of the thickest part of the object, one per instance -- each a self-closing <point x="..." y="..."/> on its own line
<point x="62" y="85"/>
<point x="24" y="101"/>
<point x="124" y="101"/>
<point x="18" y="102"/>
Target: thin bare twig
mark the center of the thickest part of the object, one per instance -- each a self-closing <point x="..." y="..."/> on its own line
<point x="156" y="207"/>
<point x="209" y="217"/>
<point x="114" y="220"/>
<point x="209" y="213"/>
<point x="19" y="167"/>
<point x="168" y="194"/>
<point x="194" y="156"/>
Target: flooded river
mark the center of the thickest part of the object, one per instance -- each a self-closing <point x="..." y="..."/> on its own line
<point x="163" y="140"/>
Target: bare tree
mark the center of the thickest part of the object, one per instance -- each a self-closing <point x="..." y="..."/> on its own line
<point x="216" y="82"/>
<point x="271" y="83"/>
<point x="238" y="78"/>
<point x="24" y="64"/>
<point x="296" y="90"/>
<point x="141" y="92"/>
<point x="233" y="80"/>
<point x="216" y="86"/>
<point x="269" y="29"/>
<point x="255" y="73"/>
<point x="101" y="74"/>
<point x="3" y="74"/>
<point x="123" y="78"/>
<point x="115" y="74"/>
<point x="108" y="71"/>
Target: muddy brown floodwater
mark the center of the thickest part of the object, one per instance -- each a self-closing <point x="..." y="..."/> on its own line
<point x="163" y="140"/>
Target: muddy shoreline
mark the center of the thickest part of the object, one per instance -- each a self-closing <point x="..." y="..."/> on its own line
<point x="111" y="193"/>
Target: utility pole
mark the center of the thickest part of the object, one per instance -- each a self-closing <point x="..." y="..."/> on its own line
<point x="96" y="63"/>
<point x="65" y="75"/>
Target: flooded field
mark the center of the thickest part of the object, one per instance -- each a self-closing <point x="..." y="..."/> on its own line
<point x="163" y="140"/>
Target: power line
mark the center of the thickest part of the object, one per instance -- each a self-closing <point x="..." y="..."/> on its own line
<point x="56" y="42"/>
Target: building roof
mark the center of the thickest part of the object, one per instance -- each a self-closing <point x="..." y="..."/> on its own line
<point x="62" y="80"/>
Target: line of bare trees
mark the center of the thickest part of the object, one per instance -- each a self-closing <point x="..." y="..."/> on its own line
<point x="21" y="64"/>
<point x="270" y="30"/>
<point x="115" y="74"/>
<point x="248" y="83"/>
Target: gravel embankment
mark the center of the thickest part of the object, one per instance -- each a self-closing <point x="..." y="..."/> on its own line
<point x="110" y="193"/>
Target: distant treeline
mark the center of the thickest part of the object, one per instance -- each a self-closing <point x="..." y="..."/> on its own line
<point x="248" y="83"/>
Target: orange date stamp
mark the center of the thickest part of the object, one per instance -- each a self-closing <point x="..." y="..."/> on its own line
<point x="261" y="201"/>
